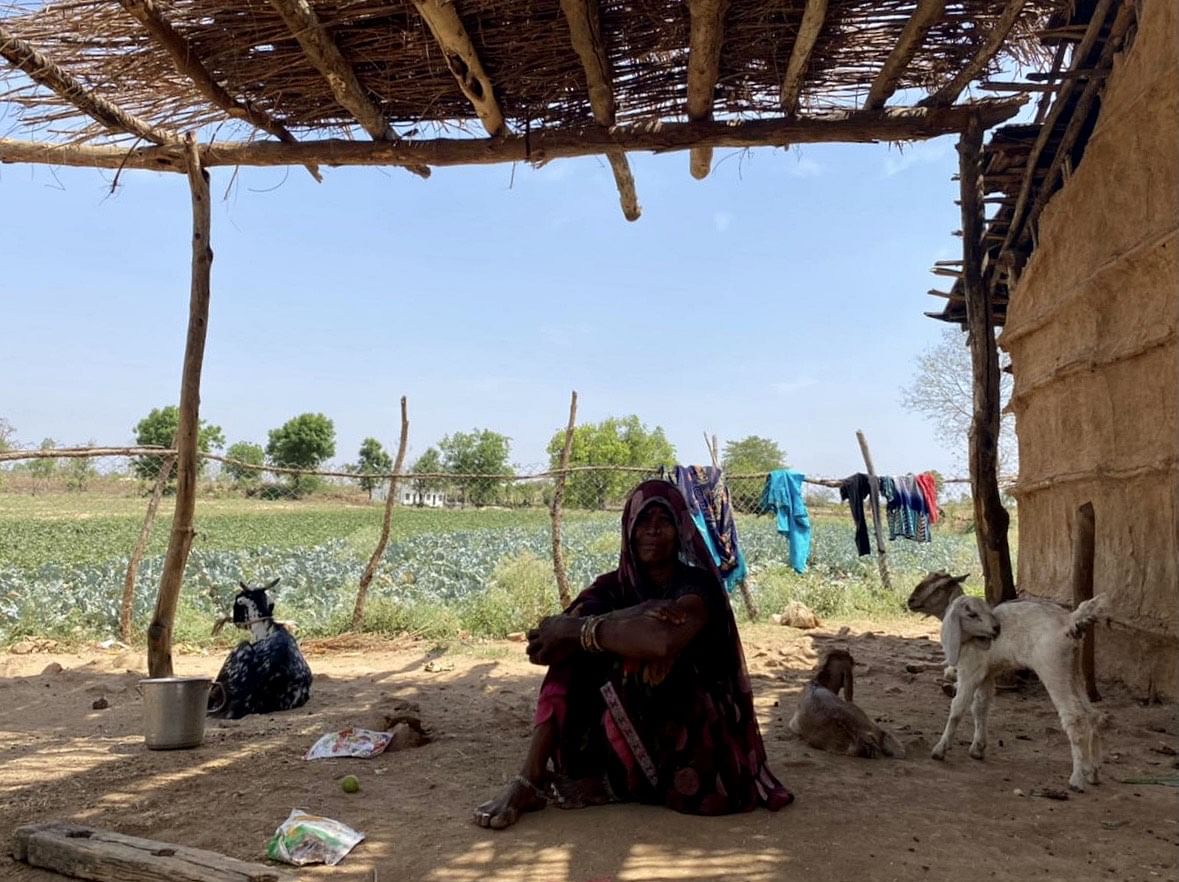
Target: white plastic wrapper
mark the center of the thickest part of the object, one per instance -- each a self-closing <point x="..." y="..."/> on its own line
<point x="362" y="743"/>
<point x="310" y="839"/>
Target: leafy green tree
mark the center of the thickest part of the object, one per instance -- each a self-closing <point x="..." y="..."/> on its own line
<point x="158" y="429"/>
<point x="615" y="441"/>
<point x="79" y="472"/>
<point x="750" y="456"/>
<point x="429" y="462"/>
<point x="245" y="452"/>
<point x="371" y="460"/>
<point x="302" y="442"/>
<point x="44" y="469"/>
<point x="478" y="452"/>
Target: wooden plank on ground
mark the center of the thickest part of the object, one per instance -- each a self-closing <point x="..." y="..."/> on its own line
<point x="89" y="853"/>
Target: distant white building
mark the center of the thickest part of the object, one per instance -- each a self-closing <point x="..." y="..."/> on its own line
<point x="430" y="499"/>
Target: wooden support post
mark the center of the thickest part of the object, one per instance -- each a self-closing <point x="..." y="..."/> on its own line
<point x="159" y="635"/>
<point x="874" y="504"/>
<point x="391" y="500"/>
<point x="149" y="519"/>
<point x="555" y="510"/>
<point x="1083" y="553"/>
<point x="990" y="518"/>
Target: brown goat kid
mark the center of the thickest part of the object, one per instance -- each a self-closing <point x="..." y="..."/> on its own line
<point x="827" y="722"/>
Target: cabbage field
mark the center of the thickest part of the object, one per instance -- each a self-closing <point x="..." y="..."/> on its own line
<point x="63" y="560"/>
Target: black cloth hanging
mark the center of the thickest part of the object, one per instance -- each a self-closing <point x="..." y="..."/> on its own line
<point x="855" y="489"/>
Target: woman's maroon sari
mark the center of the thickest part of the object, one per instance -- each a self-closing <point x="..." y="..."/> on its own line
<point x="685" y="736"/>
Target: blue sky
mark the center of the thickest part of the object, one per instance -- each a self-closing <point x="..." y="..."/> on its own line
<point x="782" y="297"/>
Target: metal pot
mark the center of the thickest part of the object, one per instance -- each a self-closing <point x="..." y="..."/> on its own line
<point x="174" y="711"/>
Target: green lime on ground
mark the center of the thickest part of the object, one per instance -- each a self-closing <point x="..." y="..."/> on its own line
<point x="350" y="784"/>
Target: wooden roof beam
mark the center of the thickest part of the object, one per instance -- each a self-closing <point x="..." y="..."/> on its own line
<point x="321" y="50"/>
<point x="948" y="93"/>
<point x="585" y="33"/>
<point x="890" y="124"/>
<point x="70" y="89"/>
<point x="704" y="48"/>
<point x="813" y="18"/>
<point x="189" y="63"/>
<point x="923" y="18"/>
<point x="463" y="60"/>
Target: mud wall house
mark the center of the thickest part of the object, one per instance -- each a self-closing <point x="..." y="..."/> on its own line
<point x="1091" y="331"/>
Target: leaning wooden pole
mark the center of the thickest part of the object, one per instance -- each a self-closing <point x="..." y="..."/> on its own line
<point x="149" y="520"/>
<point x="390" y="501"/>
<point x="159" y="634"/>
<point x="874" y="504"/>
<point x="990" y="518"/>
<point x="555" y="510"/>
<point x="1083" y="554"/>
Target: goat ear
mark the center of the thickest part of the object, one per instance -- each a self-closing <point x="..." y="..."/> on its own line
<point x="962" y="578"/>
<point x="275" y="581"/>
<point x="951" y="636"/>
<point x="849" y="686"/>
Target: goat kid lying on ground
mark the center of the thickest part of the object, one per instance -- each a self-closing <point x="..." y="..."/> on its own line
<point x="268" y="672"/>
<point x="828" y="722"/>
<point x="1043" y="636"/>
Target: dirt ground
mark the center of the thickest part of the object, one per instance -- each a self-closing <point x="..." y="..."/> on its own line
<point x="853" y="819"/>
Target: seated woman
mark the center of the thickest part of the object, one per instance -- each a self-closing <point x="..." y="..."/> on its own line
<point x="646" y="698"/>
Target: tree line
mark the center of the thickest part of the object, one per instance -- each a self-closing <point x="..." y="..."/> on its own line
<point x="308" y="440"/>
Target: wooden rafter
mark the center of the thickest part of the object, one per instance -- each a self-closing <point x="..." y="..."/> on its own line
<point x="813" y="18"/>
<point x="1019" y="213"/>
<point x="44" y="72"/>
<point x="890" y="124"/>
<point x="948" y="93"/>
<point x="913" y="35"/>
<point x="185" y="57"/>
<point x="704" y="48"/>
<point x="321" y="50"/>
<point x="585" y="33"/>
<point x="463" y="60"/>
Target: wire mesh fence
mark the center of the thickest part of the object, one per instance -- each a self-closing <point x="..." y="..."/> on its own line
<point x="467" y="552"/>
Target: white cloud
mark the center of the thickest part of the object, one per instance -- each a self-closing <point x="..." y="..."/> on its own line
<point x="804" y="167"/>
<point x="722" y="220"/>
<point x="903" y="158"/>
<point x="789" y="387"/>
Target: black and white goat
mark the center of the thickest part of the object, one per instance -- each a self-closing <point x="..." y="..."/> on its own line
<point x="266" y="673"/>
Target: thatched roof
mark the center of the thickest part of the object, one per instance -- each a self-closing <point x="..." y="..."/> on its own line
<point x="1024" y="165"/>
<point x="249" y="48"/>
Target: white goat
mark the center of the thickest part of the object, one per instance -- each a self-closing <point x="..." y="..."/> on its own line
<point x="983" y="642"/>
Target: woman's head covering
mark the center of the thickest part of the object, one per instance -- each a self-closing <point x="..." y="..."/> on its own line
<point x="692" y="549"/>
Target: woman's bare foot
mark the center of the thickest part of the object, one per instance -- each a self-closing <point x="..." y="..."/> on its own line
<point x="521" y="795"/>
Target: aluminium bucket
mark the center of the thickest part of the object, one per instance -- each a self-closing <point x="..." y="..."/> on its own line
<point x="174" y="710"/>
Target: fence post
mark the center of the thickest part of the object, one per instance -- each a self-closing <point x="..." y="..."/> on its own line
<point x="390" y="501"/>
<point x="874" y="502"/>
<point x="555" y="510"/>
<point x="140" y="547"/>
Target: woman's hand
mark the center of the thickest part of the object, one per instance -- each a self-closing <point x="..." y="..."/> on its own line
<point x="555" y="639"/>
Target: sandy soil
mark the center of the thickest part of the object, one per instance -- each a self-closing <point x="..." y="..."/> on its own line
<point x="853" y="819"/>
